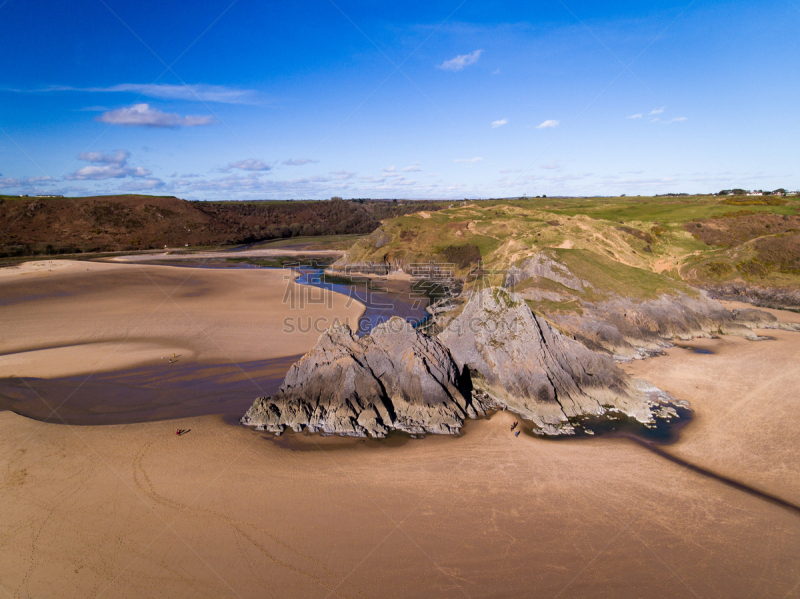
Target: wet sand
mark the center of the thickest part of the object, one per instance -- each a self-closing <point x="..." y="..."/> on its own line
<point x="65" y="318"/>
<point x="223" y="511"/>
<point x="146" y="393"/>
<point x="116" y="343"/>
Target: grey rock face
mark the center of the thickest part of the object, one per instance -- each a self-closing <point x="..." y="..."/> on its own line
<point x="630" y="328"/>
<point x="393" y="378"/>
<point x="534" y="370"/>
<point x="782" y="299"/>
<point x="496" y="353"/>
<point x="543" y="266"/>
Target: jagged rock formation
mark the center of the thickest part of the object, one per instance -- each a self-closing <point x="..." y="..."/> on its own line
<point x="393" y="378"/>
<point x="629" y="328"/>
<point x="399" y="378"/>
<point x="527" y="365"/>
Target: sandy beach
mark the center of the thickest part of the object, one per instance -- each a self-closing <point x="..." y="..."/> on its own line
<point x="63" y="318"/>
<point x="135" y="510"/>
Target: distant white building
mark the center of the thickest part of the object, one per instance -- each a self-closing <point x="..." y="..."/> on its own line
<point x="756" y="193"/>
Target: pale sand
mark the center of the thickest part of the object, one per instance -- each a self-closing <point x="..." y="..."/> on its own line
<point x="215" y="255"/>
<point x="223" y="511"/>
<point x="61" y="318"/>
<point x="747" y="422"/>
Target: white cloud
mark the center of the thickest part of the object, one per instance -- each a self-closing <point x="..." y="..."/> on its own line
<point x="413" y="168"/>
<point x="118" y="157"/>
<point x="510" y="170"/>
<point x="468" y="160"/>
<point x="548" y="124"/>
<point x="200" y="92"/>
<point x="106" y="166"/>
<point x="10" y="182"/>
<point x="678" y="119"/>
<point x="389" y="169"/>
<point x="251" y="164"/>
<point x="142" y="115"/>
<point x="500" y="123"/>
<point x="554" y="165"/>
<point x="142" y="185"/>
<point x="658" y="110"/>
<point x="460" y="61"/>
<point x="634" y="116"/>
<point x="165" y="91"/>
<point x="298" y="161"/>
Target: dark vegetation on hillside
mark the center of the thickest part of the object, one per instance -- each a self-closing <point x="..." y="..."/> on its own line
<point x="774" y="237"/>
<point x="32" y="226"/>
<point x="737" y="227"/>
<point x="463" y="256"/>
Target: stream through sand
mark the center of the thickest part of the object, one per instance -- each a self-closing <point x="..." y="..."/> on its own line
<point x="177" y="386"/>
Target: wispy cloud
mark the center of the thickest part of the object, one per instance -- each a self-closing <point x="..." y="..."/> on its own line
<point x="197" y="93"/>
<point x="143" y="115"/>
<point x="635" y="116"/>
<point x="251" y="164"/>
<point x="460" y="61"/>
<point x="658" y="110"/>
<point x="554" y="165"/>
<point x="468" y="160"/>
<point x="106" y="166"/>
<point x="677" y="119"/>
<point x="11" y="182"/>
<point x="500" y="123"/>
<point x="548" y="124"/>
<point x="142" y="185"/>
<point x="298" y="161"/>
<point x="413" y="168"/>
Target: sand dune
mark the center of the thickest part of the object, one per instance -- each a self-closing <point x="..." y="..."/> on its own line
<point x="224" y="511"/>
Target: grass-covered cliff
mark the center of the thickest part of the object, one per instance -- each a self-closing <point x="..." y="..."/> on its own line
<point x="638" y="247"/>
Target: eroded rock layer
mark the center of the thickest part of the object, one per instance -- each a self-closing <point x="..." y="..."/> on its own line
<point x="527" y="365"/>
<point x="497" y="353"/>
<point x="393" y="378"/>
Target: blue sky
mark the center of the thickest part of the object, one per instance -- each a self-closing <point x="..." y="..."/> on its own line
<point x="247" y="100"/>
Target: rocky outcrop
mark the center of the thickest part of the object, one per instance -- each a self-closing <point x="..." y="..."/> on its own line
<point x="545" y="267"/>
<point x="628" y="328"/>
<point x="765" y="297"/>
<point x="497" y="353"/>
<point x="393" y="378"/>
<point x="527" y="365"/>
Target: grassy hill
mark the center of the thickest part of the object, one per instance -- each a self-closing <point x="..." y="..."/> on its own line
<point x="637" y="247"/>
